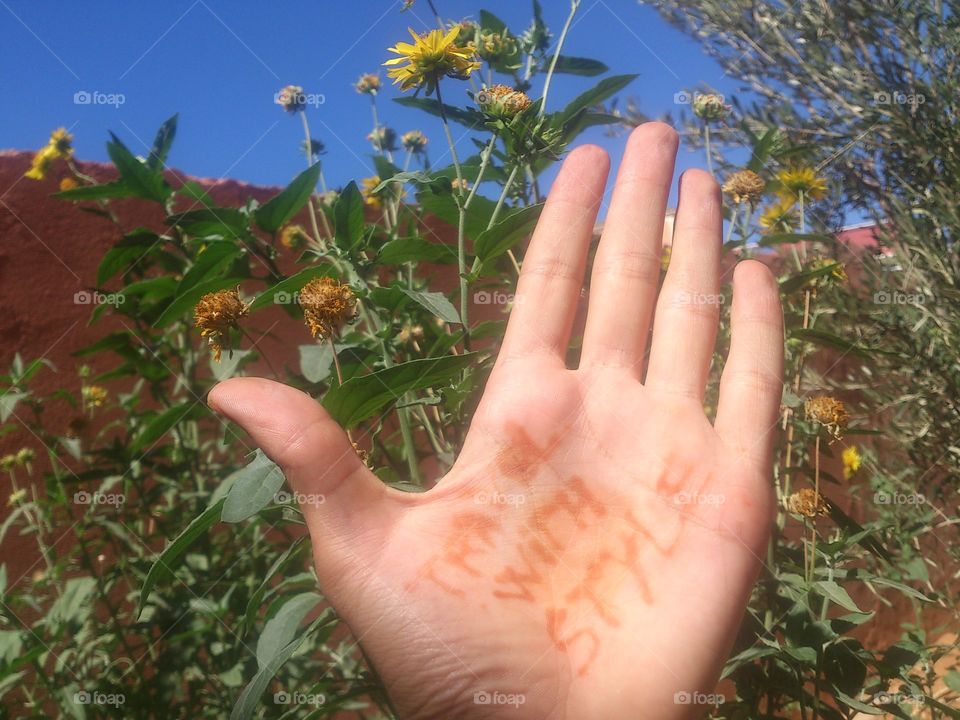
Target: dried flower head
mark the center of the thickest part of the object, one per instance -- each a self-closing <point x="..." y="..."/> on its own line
<point x="25" y="455"/>
<point x="433" y="56"/>
<point x="383" y="139"/>
<point x="68" y="183"/>
<point x="16" y="496"/>
<point x="744" y="186"/>
<point x="291" y="98"/>
<point x="829" y="412"/>
<point x="501" y="101"/>
<point x="852" y="460"/>
<point x="313" y="148"/>
<point x="362" y="454"/>
<point x="807" y="502"/>
<point x="367" y="84"/>
<point x="93" y="396"/>
<point x="409" y="333"/>
<point x="215" y="314"/>
<point x="414" y="141"/>
<point x="8" y="462"/>
<point x="461" y="184"/>
<point x="710" y="106"/>
<point x="294" y="237"/>
<point x="327" y="305"/>
<point x="797" y="180"/>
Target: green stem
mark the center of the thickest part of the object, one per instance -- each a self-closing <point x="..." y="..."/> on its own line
<point x="733" y="222"/>
<point x="312" y="211"/>
<point x="574" y="5"/>
<point x="706" y="145"/>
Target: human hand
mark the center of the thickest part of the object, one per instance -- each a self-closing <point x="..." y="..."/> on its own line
<point x="591" y="552"/>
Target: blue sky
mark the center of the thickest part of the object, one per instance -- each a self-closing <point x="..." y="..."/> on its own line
<point x="219" y="64"/>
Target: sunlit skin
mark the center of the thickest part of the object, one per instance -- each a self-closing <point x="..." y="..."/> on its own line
<point x="591" y="552"/>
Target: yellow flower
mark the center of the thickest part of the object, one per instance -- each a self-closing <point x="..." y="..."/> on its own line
<point x="93" y="395"/>
<point x="794" y="181"/>
<point x="778" y="217"/>
<point x="58" y="146"/>
<point x="293" y="236"/>
<point x="852" y="460"/>
<point x="744" y="186"/>
<point x="433" y="55"/>
<point x="366" y="189"/>
<point x="829" y="412"/>
<point x="502" y="102"/>
<point x="665" y="256"/>
<point x="215" y="314"/>
<point x="327" y="305"/>
<point x="806" y="502"/>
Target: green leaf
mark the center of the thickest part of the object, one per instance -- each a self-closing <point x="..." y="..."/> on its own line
<point x="415" y="249"/>
<point x="160" y="425"/>
<point x="253" y="488"/>
<point x="228" y="364"/>
<point x="209" y="262"/>
<point x="468" y="117"/>
<point x="579" y="66"/>
<point x="798" y="280"/>
<point x="826" y="339"/>
<point x="762" y="149"/>
<point x="185" y="302"/>
<point x="285" y="292"/>
<point x="246" y="704"/>
<point x="435" y="183"/>
<point x="195" y="191"/>
<point x="603" y="90"/>
<point x="445" y="208"/>
<point x="790" y="238"/>
<point x="279" y="565"/>
<point x="161" y="144"/>
<point x="348" y="217"/>
<point x="105" y="191"/>
<point x="162" y="568"/>
<point x="436" y="303"/>
<point x="141" y="180"/>
<point x="277" y="211"/>
<point x="360" y="398"/>
<point x="125" y="253"/>
<point x="8" y="402"/>
<point x="281" y="629"/>
<point x="506" y="233"/>
<point x="316" y="360"/>
<point x="228" y="223"/>
<point x="836" y="594"/>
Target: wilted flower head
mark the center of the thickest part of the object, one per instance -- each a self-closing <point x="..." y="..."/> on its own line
<point x="383" y="139"/>
<point x="433" y="55"/>
<point x="294" y="236"/>
<point x="327" y="305"/>
<point x="291" y="98"/>
<point x="93" y="396"/>
<point x="367" y="84"/>
<point x="460" y="184"/>
<point x="68" y="183"/>
<point x="778" y="217"/>
<point x="361" y="453"/>
<point x="414" y="141"/>
<point x="25" y="455"/>
<point x="501" y="101"/>
<point x="794" y="181"/>
<point x="8" y="462"/>
<point x="329" y="197"/>
<point x="16" y="496"/>
<point x="852" y="460"/>
<point x="744" y="186"/>
<point x="807" y="502"/>
<point x="536" y="37"/>
<point x="216" y="314"/>
<point x="829" y="412"/>
<point x="313" y="148"/>
<point x="710" y="106"/>
<point x="410" y="333"/>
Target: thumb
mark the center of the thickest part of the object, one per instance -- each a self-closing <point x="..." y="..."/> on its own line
<point x="343" y="503"/>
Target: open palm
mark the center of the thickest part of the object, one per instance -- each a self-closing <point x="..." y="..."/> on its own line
<point x="591" y="552"/>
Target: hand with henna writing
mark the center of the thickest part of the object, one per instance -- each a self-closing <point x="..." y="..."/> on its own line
<point x="591" y="553"/>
